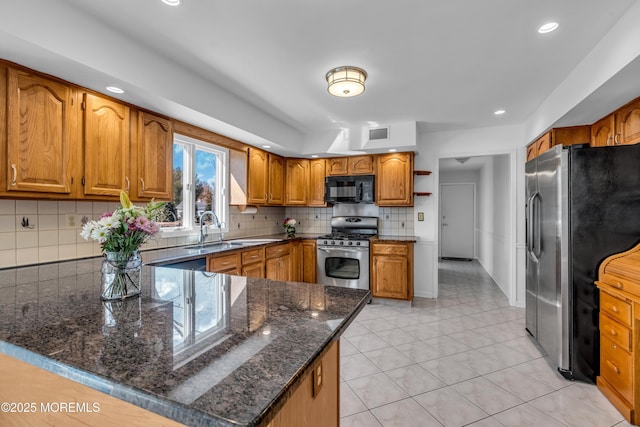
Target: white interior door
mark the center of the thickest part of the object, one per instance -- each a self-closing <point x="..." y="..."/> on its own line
<point x="457" y="212"/>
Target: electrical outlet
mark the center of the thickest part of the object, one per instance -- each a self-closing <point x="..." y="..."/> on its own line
<point x="72" y="221"/>
<point x="420" y="216"/>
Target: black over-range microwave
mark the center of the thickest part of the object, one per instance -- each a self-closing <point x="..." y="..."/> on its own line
<point x="349" y="189"/>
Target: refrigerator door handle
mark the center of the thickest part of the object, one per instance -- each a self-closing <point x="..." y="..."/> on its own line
<point x="537" y="229"/>
<point x="531" y="225"/>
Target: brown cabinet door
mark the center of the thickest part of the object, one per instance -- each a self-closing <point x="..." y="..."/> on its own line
<point x="315" y="187"/>
<point x="394" y="179"/>
<point x="106" y="146"/>
<point x="337" y="166"/>
<point x="254" y="270"/>
<point x="278" y="268"/>
<point x="296" y="182"/>
<point x="41" y="132"/>
<point x="258" y="176"/>
<point x="276" y="179"/>
<point x="392" y="270"/>
<point x="309" y="261"/>
<point x="155" y="157"/>
<point x="361" y="165"/>
<point x="602" y="131"/>
<point x="628" y="124"/>
<point x="543" y="143"/>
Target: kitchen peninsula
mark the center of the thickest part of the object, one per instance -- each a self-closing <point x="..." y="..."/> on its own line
<point x="199" y="348"/>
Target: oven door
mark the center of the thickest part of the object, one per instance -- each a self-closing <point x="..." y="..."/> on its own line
<point x="347" y="267"/>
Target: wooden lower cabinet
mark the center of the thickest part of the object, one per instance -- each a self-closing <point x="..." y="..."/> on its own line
<point x="229" y="264"/>
<point x="392" y="270"/>
<point x="619" y="285"/>
<point x="309" y="261"/>
<point x="278" y="262"/>
<point x="297" y="261"/>
<point x="253" y="263"/>
<point x="313" y="405"/>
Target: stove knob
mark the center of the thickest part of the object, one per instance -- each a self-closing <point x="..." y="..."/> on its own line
<point x="341" y="243"/>
<point x="325" y="242"/>
<point x="350" y="243"/>
<point x="333" y="242"/>
<point x="357" y="243"/>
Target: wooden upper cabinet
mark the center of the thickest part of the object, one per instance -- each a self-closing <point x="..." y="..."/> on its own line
<point x="628" y="124"/>
<point x="543" y="143"/>
<point x="155" y="157"/>
<point x="296" y="182"/>
<point x="532" y="152"/>
<point x="603" y="131"/>
<point x="315" y="187"/>
<point x="106" y="146"/>
<point x="41" y="133"/>
<point x="258" y="176"/>
<point x="337" y="166"/>
<point x="394" y="179"/>
<point x="360" y="165"/>
<point x="276" y="179"/>
<point x="354" y="165"/>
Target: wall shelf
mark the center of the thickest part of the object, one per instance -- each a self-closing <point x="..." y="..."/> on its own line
<point x="422" y="172"/>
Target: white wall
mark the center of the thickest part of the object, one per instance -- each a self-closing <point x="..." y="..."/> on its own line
<point x="432" y="146"/>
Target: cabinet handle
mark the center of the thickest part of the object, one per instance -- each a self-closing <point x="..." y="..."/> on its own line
<point x="618" y="285"/>
<point x="265" y="196"/>
<point x="616" y="140"/>
<point x="614" y="367"/>
<point x="142" y="183"/>
<point x="126" y="178"/>
<point x="15" y="173"/>
<point x="609" y="138"/>
<point x="615" y="309"/>
<point x="613" y="332"/>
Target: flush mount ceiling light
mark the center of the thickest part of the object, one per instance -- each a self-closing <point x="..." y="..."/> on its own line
<point x="114" y="89"/>
<point x="462" y="160"/>
<point x="548" y="27"/>
<point x="172" y="2"/>
<point x="499" y="112"/>
<point x="346" y="81"/>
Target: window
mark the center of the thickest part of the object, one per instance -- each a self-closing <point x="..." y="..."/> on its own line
<point x="200" y="174"/>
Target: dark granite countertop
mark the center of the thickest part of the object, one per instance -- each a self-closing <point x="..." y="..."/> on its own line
<point x="390" y="238"/>
<point x="199" y="348"/>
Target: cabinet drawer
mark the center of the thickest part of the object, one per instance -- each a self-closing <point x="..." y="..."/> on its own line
<point x="615" y="331"/>
<point x="616" y="308"/>
<point x="277" y="251"/>
<point x="620" y="283"/>
<point x="225" y="262"/>
<point x="616" y="367"/>
<point x="252" y="256"/>
<point x="390" y="249"/>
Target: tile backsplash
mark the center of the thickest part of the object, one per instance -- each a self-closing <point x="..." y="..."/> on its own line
<point x="38" y="231"/>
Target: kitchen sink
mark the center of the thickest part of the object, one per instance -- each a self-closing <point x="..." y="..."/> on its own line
<point x="215" y="245"/>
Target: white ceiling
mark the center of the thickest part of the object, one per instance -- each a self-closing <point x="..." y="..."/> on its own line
<point x="444" y="64"/>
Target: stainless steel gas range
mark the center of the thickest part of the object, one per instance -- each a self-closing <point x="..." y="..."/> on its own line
<point x="343" y="255"/>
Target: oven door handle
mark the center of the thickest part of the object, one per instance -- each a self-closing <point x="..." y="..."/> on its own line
<point x="354" y="250"/>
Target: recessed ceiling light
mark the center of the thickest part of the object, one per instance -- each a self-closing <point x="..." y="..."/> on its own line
<point x="266" y="146"/>
<point x="548" y="27"/>
<point x="315" y="156"/>
<point x="392" y="150"/>
<point x="114" y="89"/>
<point x="172" y="2"/>
<point x="499" y="112"/>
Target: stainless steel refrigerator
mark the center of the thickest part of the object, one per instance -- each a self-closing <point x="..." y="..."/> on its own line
<point x="583" y="204"/>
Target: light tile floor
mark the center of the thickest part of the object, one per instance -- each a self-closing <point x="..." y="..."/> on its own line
<point x="462" y="359"/>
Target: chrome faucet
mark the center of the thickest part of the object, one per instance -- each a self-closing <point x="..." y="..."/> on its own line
<point x="203" y="230"/>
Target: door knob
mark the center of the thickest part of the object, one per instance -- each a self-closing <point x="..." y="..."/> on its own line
<point x="444" y="225"/>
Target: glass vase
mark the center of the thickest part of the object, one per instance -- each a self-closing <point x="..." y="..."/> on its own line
<point x="291" y="231"/>
<point x="121" y="274"/>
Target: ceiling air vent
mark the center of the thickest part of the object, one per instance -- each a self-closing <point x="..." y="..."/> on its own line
<point x="378" y="134"/>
